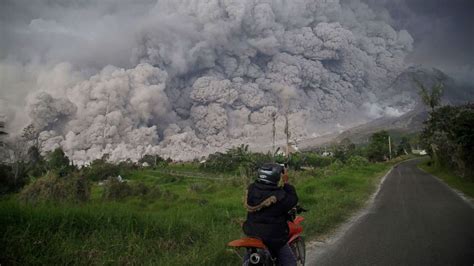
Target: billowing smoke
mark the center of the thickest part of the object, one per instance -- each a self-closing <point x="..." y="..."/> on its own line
<point x="183" y="78"/>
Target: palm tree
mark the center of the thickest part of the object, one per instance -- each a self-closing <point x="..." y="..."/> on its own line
<point x="431" y="98"/>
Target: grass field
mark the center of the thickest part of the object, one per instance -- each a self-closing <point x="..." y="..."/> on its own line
<point x="464" y="185"/>
<point x="189" y="224"/>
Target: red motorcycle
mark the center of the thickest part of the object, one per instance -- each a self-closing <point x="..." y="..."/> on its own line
<point x="256" y="253"/>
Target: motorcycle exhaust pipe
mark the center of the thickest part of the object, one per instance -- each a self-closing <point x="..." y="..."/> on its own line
<point x="255" y="258"/>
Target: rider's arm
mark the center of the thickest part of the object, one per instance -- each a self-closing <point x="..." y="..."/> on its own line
<point x="290" y="199"/>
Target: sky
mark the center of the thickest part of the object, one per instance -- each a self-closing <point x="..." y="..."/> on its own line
<point x="175" y="77"/>
<point x="443" y="32"/>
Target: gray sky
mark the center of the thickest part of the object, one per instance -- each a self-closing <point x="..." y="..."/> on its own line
<point x="443" y="31"/>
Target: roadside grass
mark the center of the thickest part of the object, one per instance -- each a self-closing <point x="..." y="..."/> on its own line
<point x="464" y="185"/>
<point x="190" y="225"/>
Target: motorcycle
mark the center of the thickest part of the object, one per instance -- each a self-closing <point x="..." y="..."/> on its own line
<point x="256" y="253"/>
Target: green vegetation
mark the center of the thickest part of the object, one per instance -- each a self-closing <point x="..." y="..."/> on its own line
<point x="163" y="212"/>
<point x="430" y="97"/>
<point x="448" y="137"/>
<point x="447" y="175"/>
<point x="378" y="149"/>
<point x="178" y="215"/>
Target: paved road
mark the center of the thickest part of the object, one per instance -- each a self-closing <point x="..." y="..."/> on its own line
<point x="414" y="220"/>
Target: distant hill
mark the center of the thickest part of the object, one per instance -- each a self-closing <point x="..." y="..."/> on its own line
<point x="408" y="123"/>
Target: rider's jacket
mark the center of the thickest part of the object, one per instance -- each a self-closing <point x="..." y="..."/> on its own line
<point x="267" y="213"/>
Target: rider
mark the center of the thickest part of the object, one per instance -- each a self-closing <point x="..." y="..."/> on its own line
<point x="268" y="205"/>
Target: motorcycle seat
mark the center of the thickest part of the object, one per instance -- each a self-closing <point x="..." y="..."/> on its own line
<point x="247" y="242"/>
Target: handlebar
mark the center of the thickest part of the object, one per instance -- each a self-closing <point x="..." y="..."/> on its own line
<point x="294" y="211"/>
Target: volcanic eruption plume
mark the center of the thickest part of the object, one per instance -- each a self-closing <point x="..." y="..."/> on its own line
<point x="183" y="78"/>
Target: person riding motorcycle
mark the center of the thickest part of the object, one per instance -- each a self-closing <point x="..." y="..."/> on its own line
<point x="268" y="204"/>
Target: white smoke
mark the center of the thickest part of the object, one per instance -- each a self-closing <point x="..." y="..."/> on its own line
<point x="194" y="77"/>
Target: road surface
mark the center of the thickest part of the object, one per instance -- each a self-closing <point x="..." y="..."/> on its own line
<point x="414" y="220"/>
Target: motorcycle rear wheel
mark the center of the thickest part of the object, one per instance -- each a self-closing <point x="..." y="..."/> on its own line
<point x="299" y="249"/>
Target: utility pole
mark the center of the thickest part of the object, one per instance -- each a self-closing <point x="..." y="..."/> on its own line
<point x="274" y="116"/>
<point x="287" y="132"/>
<point x="389" y="147"/>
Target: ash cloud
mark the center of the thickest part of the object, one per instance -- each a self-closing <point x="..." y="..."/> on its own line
<point x="186" y="78"/>
<point x="443" y="31"/>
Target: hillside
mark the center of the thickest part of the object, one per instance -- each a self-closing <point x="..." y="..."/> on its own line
<point x="411" y="121"/>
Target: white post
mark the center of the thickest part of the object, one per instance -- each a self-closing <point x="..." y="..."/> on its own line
<point x="389" y="147"/>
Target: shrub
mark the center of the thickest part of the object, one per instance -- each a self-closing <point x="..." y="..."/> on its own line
<point x="357" y="161"/>
<point x="344" y="150"/>
<point x="237" y="160"/>
<point x="59" y="162"/>
<point x="6" y="179"/>
<point x="140" y="189"/>
<point x="229" y="161"/>
<point x="52" y="188"/>
<point x="336" y="165"/>
<point x="153" y="160"/>
<point x="378" y="150"/>
<point x="295" y="161"/>
<point x="316" y="160"/>
<point x="101" y="170"/>
<point x="116" y="190"/>
<point x="168" y="195"/>
<point x="154" y="192"/>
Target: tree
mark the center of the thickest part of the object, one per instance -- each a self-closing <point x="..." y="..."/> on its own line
<point x="432" y="97"/>
<point x="344" y="149"/>
<point x="151" y="160"/>
<point x="448" y="136"/>
<point x="59" y="162"/>
<point x="18" y="148"/>
<point x="378" y="147"/>
<point x="404" y="146"/>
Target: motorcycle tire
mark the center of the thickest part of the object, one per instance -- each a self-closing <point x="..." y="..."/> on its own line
<point x="299" y="249"/>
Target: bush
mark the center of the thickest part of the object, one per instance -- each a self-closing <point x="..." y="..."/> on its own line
<point x="59" y="162"/>
<point x="7" y="183"/>
<point x="237" y="159"/>
<point x="153" y="160"/>
<point x="378" y="150"/>
<point x="336" y="165"/>
<point x="116" y="190"/>
<point x="101" y="170"/>
<point x="140" y="189"/>
<point x="295" y="161"/>
<point x="357" y="161"/>
<point x="52" y="188"/>
<point x="315" y="160"/>
<point x="344" y="150"/>
<point x="154" y="192"/>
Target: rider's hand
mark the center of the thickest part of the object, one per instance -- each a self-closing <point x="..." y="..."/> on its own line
<point x="285" y="176"/>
